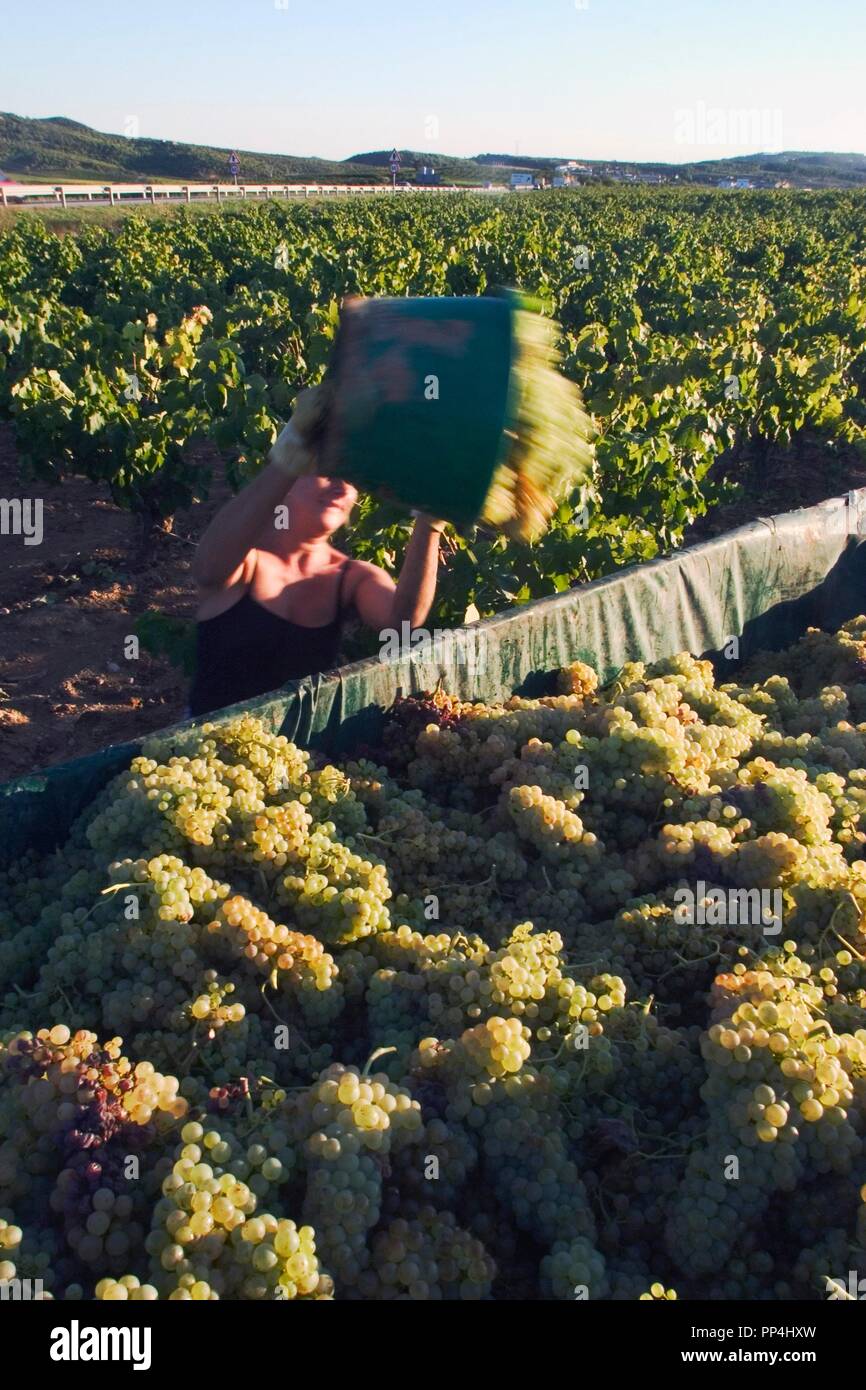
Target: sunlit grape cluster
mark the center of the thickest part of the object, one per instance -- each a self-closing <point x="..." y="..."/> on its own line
<point x="343" y="1124"/>
<point x="209" y="1239"/>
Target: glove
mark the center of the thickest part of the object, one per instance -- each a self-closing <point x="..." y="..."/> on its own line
<point x="295" y="449"/>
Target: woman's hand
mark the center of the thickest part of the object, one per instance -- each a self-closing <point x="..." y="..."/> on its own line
<point x="423" y="520"/>
<point x="234" y="530"/>
<point x="295" y="450"/>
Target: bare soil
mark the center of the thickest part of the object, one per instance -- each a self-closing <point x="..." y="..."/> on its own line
<point x="779" y="480"/>
<point x="66" y="607"/>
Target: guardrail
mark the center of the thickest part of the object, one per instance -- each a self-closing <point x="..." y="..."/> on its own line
<point x="64" y="193"/>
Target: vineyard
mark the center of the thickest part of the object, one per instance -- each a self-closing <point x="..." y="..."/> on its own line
<point x="545" y="998"/>
<point x="696" y="326"/>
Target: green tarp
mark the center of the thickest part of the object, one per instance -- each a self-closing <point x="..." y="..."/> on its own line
<point x="763" y="583"/>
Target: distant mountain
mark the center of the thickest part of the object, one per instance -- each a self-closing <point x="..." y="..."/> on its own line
<point x="56" y="148"/>
<point x="451" y="168"/>
<point x="516" y="161"/>
<point x="797" y="166"/>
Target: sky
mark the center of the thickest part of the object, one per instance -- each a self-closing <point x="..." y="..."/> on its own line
<point x="670" y="80"/>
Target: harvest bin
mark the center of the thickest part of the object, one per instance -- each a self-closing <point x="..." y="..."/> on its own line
<point x="386" y="349"/>
<point x="764" y="583"/>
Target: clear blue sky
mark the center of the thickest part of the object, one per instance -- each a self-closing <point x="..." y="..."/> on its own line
<point x="623" y="79"/>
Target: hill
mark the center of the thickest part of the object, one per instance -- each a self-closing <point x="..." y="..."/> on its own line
<point x="58" y="149"/>
<point x="450" y="168"/>
<point x="800" y="168"/>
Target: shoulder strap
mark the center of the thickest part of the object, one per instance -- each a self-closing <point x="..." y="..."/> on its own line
<point x="344" y="569"/>
<point x="249" y="567"/>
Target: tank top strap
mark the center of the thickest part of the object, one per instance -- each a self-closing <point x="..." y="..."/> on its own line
<point x="344" y="569"/>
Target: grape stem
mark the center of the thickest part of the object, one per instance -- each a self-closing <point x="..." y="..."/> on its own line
<point x="821" y="1023"/>
<point x="65" y="999"/>
<point x="696" y="960"/>
<point x="293" y="1029"/>
<point x="847" y="944"/>
<point x="376" y="1053"/>
<point x="112" y="888"/>
<point x="479" y="883"/>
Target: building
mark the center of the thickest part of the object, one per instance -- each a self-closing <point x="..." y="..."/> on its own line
<point x="570" y="175"/>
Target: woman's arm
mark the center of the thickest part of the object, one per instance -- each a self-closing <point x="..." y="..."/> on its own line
<point x="382" y="604"/>
<point x="233" y="531"/>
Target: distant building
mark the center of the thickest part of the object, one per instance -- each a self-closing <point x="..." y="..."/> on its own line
<point x="569" y="175"/>
<point x="426" y="174"/>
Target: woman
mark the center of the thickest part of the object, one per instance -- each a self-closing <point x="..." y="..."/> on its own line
<point x="274" y="591"/>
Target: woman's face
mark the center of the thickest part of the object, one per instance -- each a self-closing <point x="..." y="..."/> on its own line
<point x="320" y="506"/>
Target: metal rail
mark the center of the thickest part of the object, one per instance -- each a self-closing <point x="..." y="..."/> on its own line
<point x="64" y="193"/>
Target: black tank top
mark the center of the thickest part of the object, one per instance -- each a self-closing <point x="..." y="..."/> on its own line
<point x="248" y="650"/>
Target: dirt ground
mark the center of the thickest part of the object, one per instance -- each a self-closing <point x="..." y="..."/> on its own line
<point x="66" y="607"/>
<point x="781" y="481"/>
<point x="68" y="604"/>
